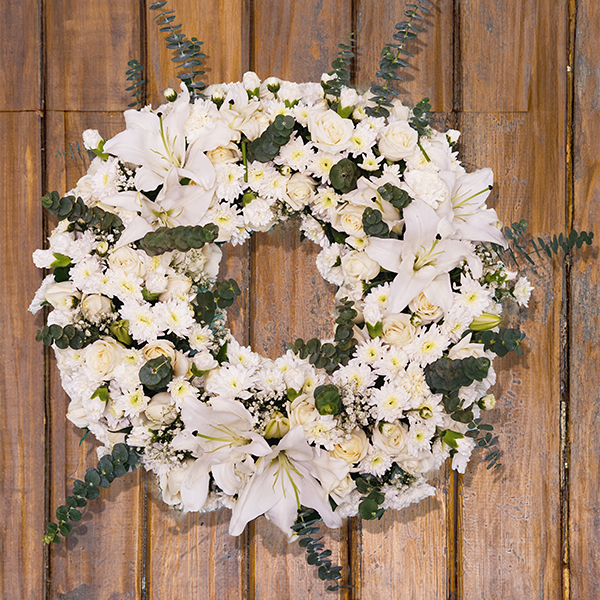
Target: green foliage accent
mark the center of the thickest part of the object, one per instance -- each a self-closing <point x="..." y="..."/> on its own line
<point x="137" y="87"/>
<point x="75" y="152"/>
<point x="207" y="302"/>
<point x="340" y="73"/>
<point x="122" y="460"/>
<point x="369" y="507"/>
<point x="186" y="52"/>
<point x="449" y="437"/>
<point x="329" y="356"/>
<point x="374" y="225"/>
<point x="266" y="147"/>
<point x="60" y="261"/>
<point x="519" y="243"/>
<point x="397" y="197"/>
<point x="157" y="373"/>
<point x="487" y="440"/>
<point x="391" y="61"/>
<point x="101" y="393"/>
<point x="182" y="238"/>
<point x="420" y="120"/>
<point x="67" y="337"/>
<point x="82" y="216"/>
<point x="305" y="527"/>
<point x="327" y="400"/>
<point x="120" y="331"/>
<point x="344" y="175"/>
<point x="501" y="342"/>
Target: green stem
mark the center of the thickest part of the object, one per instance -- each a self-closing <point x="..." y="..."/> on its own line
<point x="245" y="161"/>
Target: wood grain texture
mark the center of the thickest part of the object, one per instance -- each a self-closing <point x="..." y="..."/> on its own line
<point x="102" y="556"/>
<point x="294" y="41"/>
<point x="87" y="49"/>
<point x="20" y="56"/>
<point x="193" y="555"/>
<point x="584" y="321"/>
<point x="223" y="26"/>
<point x="498" y="47"/>
<point x="22" y="443"/>
<point x="430" y="73"/>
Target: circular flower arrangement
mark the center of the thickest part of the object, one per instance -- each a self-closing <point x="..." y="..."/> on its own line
<point x="347" y="426"/>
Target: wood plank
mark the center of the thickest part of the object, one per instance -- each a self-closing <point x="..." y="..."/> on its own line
<point x="498" y="52"/>
<point x="510" y="519"/>
<point x="20" y="56"/>
<point x="22" y="410"/>
<point x="430" y="72"/>
<point x="193" y="555"/>
<point x="87" y="50"/>
<point x="103" y="554"/>
<point x="222" y="26"/>
<point x="406" y="554"/>
<point x="294" y="41"/>
<point x="584" y="318"/>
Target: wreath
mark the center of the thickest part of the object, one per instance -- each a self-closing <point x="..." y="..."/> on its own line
<point x="352" y="425"/>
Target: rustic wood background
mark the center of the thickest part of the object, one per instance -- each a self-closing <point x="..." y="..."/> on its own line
<point x="521" y="80"/>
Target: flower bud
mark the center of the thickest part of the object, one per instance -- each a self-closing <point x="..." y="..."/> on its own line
<point x="487" y="402"/>
<point x="170" y="94"/>
<point x="485" y="321"/>
<point x="277" y="427"/>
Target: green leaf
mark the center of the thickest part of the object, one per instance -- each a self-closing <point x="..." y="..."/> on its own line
<point x="450" y="438"/>
<point x="60" y="260"/>
<point x="344" y="175"/>
<point x="156" y="373"/>
<point x="101" y="393"/>
<point x="327" y="399"/>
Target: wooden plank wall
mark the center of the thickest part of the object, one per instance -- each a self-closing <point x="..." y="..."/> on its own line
<point x="522" y="82"/>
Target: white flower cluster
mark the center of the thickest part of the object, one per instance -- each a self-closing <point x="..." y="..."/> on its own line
<point x="405" y="236"/>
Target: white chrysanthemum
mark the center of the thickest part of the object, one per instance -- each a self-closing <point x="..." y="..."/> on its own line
<point x="321" y="164"/>
<point x="456" y="322"/>
<point x="390" y="401"/>
<point x="40" y="295"/>
<point x="522" y="291"/>
<point x="82" y="246"/>
<point x="133" y="403"/>
<point x="399" y="499"/>
<point x="313" y="230"/>
<point x="144" y="323"/>
<point x="323" y="432"/>
<point x="227" y="219"/>
<point x="202" y="114"/>
<point x="473" y="296"/>
<point x="270" y="379"/>
<point x="418" y="438"/>
<point x="126" y="287"/>
<point x="242" y="355"/>
<point x="230" y="381"/>
<point x="230" y="180"/>
<point x="362" y="139"/>
<point x="371" y="162"/>
<point x="325" y="201"/>
<point x="426" y="186"/>
<point x="181" y="389"/>
<point x="370" y="351"/>
<point x="258" y="175"/>
<point x="275" y="186"/>
<point x="296" y="154"/>
<point x="427" y="347"/>
<point x="328" y="263"/>
<point x="375" y="303"/>
<point x="259" y="214"/>
<point x="200" y="337"/>
<point x="355" y="375"/>
<point x="105" y="180"/>
<point x="139" y="436"/>
<point x="376" y="462"/>
<point x="392" y="363"/>
<point x="461" y="458"/>
<point x="175" y="316"/>
<point x="413" y="381"/>
<point x="430" y="412"/>
<point x="86" y="275"/>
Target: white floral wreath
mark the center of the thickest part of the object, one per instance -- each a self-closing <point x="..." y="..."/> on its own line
<point x="348" y="426"/>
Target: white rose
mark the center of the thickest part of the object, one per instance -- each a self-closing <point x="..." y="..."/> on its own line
<point x="204" y="361"/>
<point x="96" y="306"/>
<point x="329" y="131"/>
<point x="349" y="219"/>
<point x="250" y="81"/>
<point x="429" y="313"/>
<point x="357" y="266"/>
<point x="102" y="357"/>
<point x="348" y="97"/>
<point x="224" y="154"/>
<point x="166" y="348"/>
<point x="289" y="91"/>
<point x="62" y="295"/>
<point x="128" y="260"/>
<point x="170" y="483"/>
<point x="271" y="82"/>
<point x="398" y="140"/>
<point x="390" y="437"/>
<point x="161" y="409"/>
<point x="400" y="111"/>
<point x="299" y="190"/>
<point x="343" y="489"/>
<point x="77" y="414"/>
<point x="398" y="330"/>
<point x="302" y="411"/>
<point x="91" y="139"/>
<point x="353" y="449"/>
<point x="177" y="288"/>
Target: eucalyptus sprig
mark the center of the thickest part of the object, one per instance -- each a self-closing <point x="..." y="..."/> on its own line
<point x="137" y="87"/>
<point x="519" y="244"/>
<point x="340" y="75"/>
<point x="121" y="460"/>
<point x="391" y="59"/>
<point x="307" y="525"/>
<point x="186" y="52"/>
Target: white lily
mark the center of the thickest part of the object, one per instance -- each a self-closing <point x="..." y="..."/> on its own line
<point x="285" y="480"/>
<point x="423" y="259"/>
<point x="464" y="214"/>
<point x="222" y="432"/>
